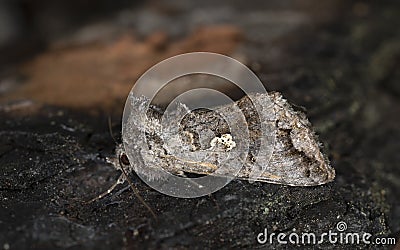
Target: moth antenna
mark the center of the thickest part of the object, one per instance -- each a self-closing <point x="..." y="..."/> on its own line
<point x="108" y="191"/>
<point x="136" y="191"/>
<point x="110" y="130"/>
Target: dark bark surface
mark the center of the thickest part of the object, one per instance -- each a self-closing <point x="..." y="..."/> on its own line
<point x="339" y="60"/>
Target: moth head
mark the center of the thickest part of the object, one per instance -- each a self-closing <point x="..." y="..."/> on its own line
<point x="120" y="159"/>
<point x="123" y="160"/>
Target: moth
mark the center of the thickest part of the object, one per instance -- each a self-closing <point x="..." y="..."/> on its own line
<point x="295" y="158"/>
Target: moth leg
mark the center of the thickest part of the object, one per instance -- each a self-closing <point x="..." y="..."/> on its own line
<point x="122" y="190"/>
<point x="121" y="179"/>
<point x="135" y="190"/>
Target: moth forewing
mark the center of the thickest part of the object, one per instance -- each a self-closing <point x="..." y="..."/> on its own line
<point x="296" y="158"/>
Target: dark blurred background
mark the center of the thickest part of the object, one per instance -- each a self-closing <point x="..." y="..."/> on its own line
<point x="272" y="35"/>
<point x="27" y="26"/>
<point x="56" y="46"/>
